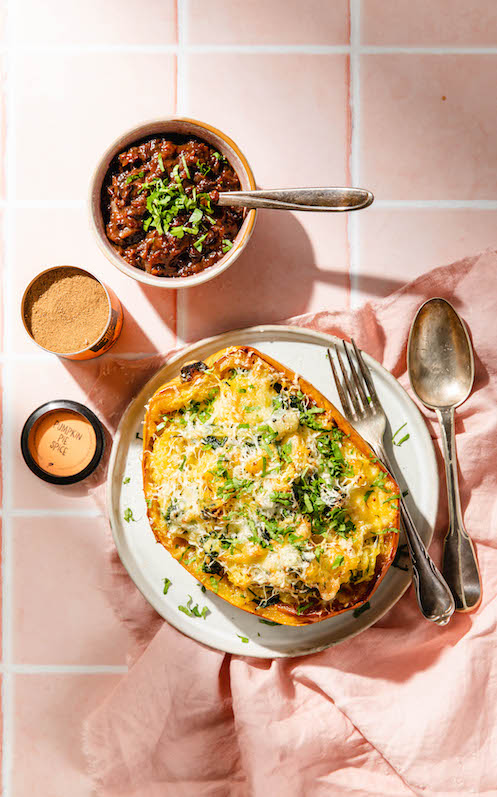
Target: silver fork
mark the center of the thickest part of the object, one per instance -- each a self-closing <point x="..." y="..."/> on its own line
<point x="362" y="407"/>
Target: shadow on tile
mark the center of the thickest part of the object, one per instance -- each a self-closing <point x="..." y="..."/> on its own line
<point x="272" y="279"/>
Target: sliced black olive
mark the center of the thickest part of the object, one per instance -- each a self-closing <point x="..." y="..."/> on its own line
<point x="212" y="566"/>
<point x="192" y="369"/>
<point x="268" y="602"/>
<point x="213" y="442"/>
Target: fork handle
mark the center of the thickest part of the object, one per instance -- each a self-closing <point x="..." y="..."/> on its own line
<point x="433" y="595"/>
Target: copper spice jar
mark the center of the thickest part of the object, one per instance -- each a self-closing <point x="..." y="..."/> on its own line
<point x="69" y="312"/>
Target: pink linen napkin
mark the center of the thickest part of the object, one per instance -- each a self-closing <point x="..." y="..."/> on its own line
<point x="404" y="708"/>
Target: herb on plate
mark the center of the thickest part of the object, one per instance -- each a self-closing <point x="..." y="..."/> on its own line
<point x="194" y="611"/>
<point x="403" y="439"/>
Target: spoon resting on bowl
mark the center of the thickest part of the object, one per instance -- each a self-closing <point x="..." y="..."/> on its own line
<point x="316" y="199"/>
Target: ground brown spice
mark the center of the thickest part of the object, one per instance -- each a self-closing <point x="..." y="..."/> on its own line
<point x="66" y="310"/>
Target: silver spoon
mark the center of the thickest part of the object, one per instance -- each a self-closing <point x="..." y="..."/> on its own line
<point x="441" y="369"/>
<point x="317" y="199"/>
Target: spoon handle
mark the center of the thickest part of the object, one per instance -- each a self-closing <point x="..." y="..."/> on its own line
<point x="460" y="566"/>
<point x="432" y="593"/>
<point x="317" y="199"/>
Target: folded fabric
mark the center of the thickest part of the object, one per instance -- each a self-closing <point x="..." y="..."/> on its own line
<point x="404" y="708"/>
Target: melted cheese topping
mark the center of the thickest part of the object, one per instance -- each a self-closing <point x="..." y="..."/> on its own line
<point x="266" y="490"/>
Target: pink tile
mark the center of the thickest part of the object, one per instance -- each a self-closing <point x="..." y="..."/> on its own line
<point x="94" y="22"/>
<point x="277" y="22"/>
<point x="428" y="126"/>
<point x="78" y="104"/>
<point x="288" y="113"/>
<point x="34" y="382"/>
<point x="49" y="714"/>
<point x="3" y="112"/>
<point x="63" y="616"/>
<point x="293" y="264"/>
<point x="399" y="245"/>
<point x="425" y="23"/>
<point x="150" y="314"/>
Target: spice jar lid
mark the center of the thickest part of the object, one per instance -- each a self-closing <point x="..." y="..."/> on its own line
<point x="62" y="442"/>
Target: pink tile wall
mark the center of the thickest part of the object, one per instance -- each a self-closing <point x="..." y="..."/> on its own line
<point x="314" y="93"/>
<point x="423" y="23"/>
<point x="428" y="126"/>
<point x="249" y="22"/>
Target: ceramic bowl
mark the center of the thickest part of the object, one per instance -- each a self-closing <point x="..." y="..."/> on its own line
<point x="182" y="126"/>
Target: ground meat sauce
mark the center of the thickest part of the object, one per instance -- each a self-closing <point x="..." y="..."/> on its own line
<point x="159" y="206"/>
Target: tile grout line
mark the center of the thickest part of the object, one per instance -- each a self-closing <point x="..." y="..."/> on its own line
<point x="355" y="142"/>
<point x="8" y="403"/>
<point x="246" y="49"/>
<point x="181" y="105"/>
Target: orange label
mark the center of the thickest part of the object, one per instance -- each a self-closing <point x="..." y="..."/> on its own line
<point x="62" y="442"/>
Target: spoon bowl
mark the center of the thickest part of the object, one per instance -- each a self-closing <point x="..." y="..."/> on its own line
<point x="440" y="356"/>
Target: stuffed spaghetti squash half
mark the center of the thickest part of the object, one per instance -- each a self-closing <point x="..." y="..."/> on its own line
<point x="260" y="488"/>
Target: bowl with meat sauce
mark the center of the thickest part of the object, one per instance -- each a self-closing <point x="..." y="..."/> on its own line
<point x="153" y="203"/>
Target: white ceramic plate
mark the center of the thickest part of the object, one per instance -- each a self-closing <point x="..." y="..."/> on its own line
<point x="225" y="626"/>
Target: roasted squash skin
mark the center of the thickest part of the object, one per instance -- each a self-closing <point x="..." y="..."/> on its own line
<point x="195" y="381"/>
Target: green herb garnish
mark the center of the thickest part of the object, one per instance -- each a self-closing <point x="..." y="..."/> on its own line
<point x="167" y="584"/>
<point x="133" y="177"/>
<point x="194" y="611"/>
<point x="338" y="561"/>
<point x="128" y="515"/>
<point x="126" y="480"/>
<point x="361" y="609"/>
<point x="243" y="638"/>
<point x="403" y="439"/>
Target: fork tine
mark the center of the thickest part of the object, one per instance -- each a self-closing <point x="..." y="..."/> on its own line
<point x="341" y="392"/>
<point x="366" y="373"/>
<point x="356" y="377"/>
<point x="350" y="389"/>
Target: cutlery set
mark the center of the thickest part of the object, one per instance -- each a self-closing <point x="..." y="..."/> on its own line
<point x="441" y="370"/>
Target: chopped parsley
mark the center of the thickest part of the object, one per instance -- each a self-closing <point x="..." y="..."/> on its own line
<point x="133" y="177"/>
<point x="268" y="622"/>
<point x="126" y="480"/>
<point x="128" y="515"/>
<point x="361" y="609"/>
<point x="392" y="498"/>
<point x="243" y="638"/>
<point x="194" y="611"/>
<point x="403" y="439"/>
<point x="380" y="482"/>
<point x="167" y="199"/>
<point x="338" y="561"/>
<point x="167" y="584"/>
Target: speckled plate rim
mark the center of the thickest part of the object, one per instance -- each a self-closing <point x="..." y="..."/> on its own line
<point x="389" y="592"/>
